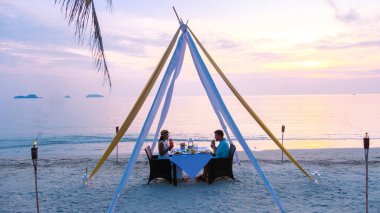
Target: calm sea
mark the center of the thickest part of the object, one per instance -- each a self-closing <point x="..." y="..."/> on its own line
<point x="312" y="121"/>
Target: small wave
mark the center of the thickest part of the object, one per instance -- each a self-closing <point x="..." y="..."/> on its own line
<point x="83" y="139"/>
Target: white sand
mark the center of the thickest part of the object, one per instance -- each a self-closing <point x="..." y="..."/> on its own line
<point x="341" y="187"/>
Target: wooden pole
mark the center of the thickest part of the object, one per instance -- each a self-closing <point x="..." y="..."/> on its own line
<point x="366" y="150"/>
<point x="34" y="152"/>
<point x="282" y="143"/>
<point x="139" y="102"/>
<point x="366" y="182"/>
<point x="179" y="20"/>
<point x="248" y="108"/>
<point x="36" y="188"/>
<point x="117" y="148"/>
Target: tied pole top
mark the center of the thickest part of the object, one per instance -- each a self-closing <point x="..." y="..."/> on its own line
<point x="183" y="26"/>
<point x="179" y="20"/>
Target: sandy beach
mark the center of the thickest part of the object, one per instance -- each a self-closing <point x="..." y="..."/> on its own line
<point x="341" y="186"/>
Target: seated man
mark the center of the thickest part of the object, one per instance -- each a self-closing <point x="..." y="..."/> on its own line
<point x="220" y="151"/>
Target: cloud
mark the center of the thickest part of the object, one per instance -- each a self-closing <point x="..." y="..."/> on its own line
<point x="334" y="74"/>
<point x="6" y="11"/>
<point x="361" y="38"/>
<point x="374" y="72"/>
<point x="331" y="45"/>
<point x="226" y="44"/>
<point x="266" y="56"/>
<point x="347" y="16"/>
<point x="135" y="45"/>
<point x="21" y="57"/>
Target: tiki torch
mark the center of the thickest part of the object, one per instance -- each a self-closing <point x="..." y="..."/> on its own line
<point x="366" y="150"/>
<point x="34" y="151"/>
<point x="282" y="142"/>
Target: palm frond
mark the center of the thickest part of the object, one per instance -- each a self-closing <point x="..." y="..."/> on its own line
<point x="78" y="12"/>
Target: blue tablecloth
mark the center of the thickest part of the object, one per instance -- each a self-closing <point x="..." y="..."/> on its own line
<point x="191" y="163"/>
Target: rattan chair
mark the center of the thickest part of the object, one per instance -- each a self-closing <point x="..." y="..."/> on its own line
<point x="159" y="168"/>
<point x="221" y="167"/>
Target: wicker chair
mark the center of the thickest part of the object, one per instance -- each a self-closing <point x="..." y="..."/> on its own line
<point x="159" y="168"/>
<point x="151" y="153"/>
<point x="221" y="167"/>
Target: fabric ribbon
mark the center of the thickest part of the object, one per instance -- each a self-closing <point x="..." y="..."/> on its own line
<point x="175" y="60"/>
<point x="215" y="97"/>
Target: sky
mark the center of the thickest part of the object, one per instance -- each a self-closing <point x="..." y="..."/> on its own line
<point x="267" y="47"/>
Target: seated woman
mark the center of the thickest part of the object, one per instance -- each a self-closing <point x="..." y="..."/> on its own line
<point x="164" y="148"/>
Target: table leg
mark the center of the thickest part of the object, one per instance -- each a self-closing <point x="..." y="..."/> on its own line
<point x="175" y="174"/>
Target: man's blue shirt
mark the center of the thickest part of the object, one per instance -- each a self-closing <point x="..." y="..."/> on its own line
<point x="223" y="149"/>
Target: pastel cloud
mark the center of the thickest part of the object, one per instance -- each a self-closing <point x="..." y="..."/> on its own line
<point x="344" y="16"/>
<point x="271" y="40"/>
<point x="347" y="45"/>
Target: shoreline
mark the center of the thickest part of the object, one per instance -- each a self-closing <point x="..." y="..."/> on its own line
<point x="306" y="155"/>
<point x="96" y="150"/>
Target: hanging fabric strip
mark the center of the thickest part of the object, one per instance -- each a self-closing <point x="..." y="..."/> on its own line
<point x="249" y="109"/>
<point x="136" y="108"/>
<point x="221" y="120"/>
<point x="222" y="123"/>
<point x="209" y="85"/>
<point x="168" y="99"/>
<point x="176" y="58"/>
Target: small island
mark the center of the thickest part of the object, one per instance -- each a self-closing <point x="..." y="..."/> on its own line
<point x="30" y="96"/>
<point x="94" y="96"/>
<point x="67" y="96"/>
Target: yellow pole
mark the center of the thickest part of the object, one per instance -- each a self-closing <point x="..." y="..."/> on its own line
<point x="247" y="107"/>
<point x="136" y="108"/>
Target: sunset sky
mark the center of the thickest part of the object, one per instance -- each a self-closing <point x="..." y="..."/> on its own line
<point x="264" y="47"/>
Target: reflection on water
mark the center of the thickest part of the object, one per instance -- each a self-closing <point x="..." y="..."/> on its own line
<point x="317" y="121"/>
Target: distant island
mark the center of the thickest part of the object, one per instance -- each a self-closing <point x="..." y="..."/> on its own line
<point x="94" y="96"/>
<point x="67" y="96"/>
<point x="28" y="96"/>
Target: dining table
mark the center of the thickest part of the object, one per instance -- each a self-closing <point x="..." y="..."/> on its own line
<point x="190" y="161"/>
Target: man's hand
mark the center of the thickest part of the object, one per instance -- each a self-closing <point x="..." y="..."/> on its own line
<point x="212" y="143"/>
<point x="213" y="147"/>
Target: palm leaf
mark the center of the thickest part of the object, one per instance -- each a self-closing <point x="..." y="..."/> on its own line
<point x="78" y="12"/>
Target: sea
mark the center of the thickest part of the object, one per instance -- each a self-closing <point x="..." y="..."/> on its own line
<point x="311" y="121"/>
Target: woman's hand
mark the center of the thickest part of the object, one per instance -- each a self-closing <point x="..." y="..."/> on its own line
<point x="171" y="146"/>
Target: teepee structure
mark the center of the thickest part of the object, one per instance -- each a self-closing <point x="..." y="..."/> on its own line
<point x="186" y="38"/>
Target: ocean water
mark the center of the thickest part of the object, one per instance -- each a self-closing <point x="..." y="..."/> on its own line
<point x="312" y="121"/>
